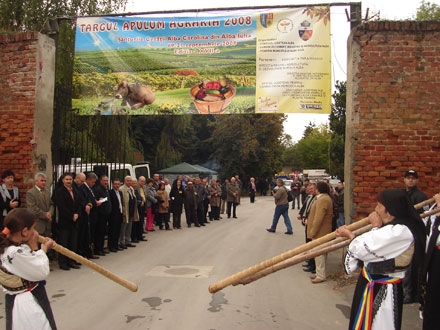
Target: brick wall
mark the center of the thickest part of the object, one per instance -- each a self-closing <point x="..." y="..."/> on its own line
<point x="393" y="108"/>
<point x="26" y="81"/>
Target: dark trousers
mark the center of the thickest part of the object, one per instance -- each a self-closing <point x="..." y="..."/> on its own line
<point x="295" y="195"/>
<point x="164" y="220"/>
<point x="93" y="222"/>
<point x="230" y="205"/>
<point x="136" y="230"/>
<point x="191" y="216"/>
<point x="100" y="229"/>
<point x="206" y="207"/>
<point x="67" y="237"/>
<point x="114" y="230"/>
<point x="177" y="220"/>
<point x="201" y="214"/>
<point x="215" y="212"/>
<point x="83" y="236"/>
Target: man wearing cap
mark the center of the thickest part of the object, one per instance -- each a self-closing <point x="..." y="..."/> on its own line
<point x="415" y="196"/>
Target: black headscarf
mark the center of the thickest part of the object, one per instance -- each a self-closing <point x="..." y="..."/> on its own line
<point x="398" y="204"/>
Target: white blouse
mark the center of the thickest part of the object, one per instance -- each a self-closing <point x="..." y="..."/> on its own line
<point x="25" y="263"/>
<point x="379" y="244"/>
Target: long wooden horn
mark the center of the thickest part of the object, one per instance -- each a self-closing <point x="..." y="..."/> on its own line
<point x="238" y="277"/>
<point x="72" y="255"/>
<point x="265" y="266"/>
<point x="327" y="247"/>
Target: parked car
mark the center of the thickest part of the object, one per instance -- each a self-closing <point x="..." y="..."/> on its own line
<point x="287" y="184"/>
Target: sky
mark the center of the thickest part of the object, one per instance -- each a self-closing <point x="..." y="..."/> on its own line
<point x="340" y="29"/>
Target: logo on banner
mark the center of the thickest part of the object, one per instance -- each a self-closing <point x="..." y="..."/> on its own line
<point x="285" y="25"/>
<point x="266" y="20"/>
<point x="305" y="31"/>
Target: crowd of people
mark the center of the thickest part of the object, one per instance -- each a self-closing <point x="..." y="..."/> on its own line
<point x="85" y="211"/>
<point x="399" y="257"/>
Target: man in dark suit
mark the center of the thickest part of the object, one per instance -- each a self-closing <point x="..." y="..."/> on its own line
<point x="114" y="225"/>
<point x="67" y="204"/>
<point x="91" y="212"/>
<point x="104" y="210"/>
<point x="83" y="227"/>
<point x="39" y="202"/>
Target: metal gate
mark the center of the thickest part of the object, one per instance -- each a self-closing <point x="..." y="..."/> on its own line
<point x="90" y="139"/>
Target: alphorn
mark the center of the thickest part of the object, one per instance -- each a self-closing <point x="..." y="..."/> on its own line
<point x="246" y="275"/>
<point x="72" y="255"/>
<point x="327" y="247"/>
<point x="238" y="277"/>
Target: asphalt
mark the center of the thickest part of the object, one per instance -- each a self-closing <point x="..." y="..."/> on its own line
<point x="174" y="269"/>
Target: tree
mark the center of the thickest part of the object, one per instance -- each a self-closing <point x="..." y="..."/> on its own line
<point x="34" y="15"/>
<point x="314" y="148"/>
<point x="428" y="11"/>
<point x="337" y="123"/>
<point x="309" y="129"/>
<point x="248" y="144"/>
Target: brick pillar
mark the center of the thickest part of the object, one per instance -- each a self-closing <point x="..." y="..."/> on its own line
<point x="26" y="110"/>
<point x="393" y="110"/>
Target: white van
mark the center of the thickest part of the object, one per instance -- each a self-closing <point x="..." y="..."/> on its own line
<point x="112" y="170"/>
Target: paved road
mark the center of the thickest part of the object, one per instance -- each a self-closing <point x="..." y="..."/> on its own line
<point x="175" y="268"/>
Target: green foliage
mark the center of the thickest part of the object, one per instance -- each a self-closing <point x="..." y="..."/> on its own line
<point x="35" y="15"/>
<point x="428" y="11"/>
<point x="314" y="148"/>
<point x="324" y="146"/>
<point x="309" y="129"/>
<point x="337" y="123"/>
<point x="248" y="144"/>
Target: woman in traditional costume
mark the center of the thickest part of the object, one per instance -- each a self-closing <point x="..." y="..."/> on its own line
<point x="395" y="243"/>
<point x="23" y="270"/>
<point x="431" y="315"/>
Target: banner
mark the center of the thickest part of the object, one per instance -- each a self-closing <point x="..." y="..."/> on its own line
<point x="251" y="61"/>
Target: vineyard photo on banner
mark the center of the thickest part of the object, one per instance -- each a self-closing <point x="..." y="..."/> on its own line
<point x="269" y="60"/>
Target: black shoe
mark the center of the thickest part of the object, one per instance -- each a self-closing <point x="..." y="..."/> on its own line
<point x="270" y="230"/>
<point x="309" y="269"/>
<point x="100" y="253"/>
<point x="408" y="299"/>
<point x="92" y="256"/>
<point x="289" y="233"/>
<point x="123" y="247"/>
<point x="143" y="239"/>
<point x="202" y="224"/>
<point x="135" y="241"/>
<point x="130" y="245"/>
<point x="72" y="265"/>
<point x="113" y="250"/>
<point x="196" y="225"/>
<point x="64" y="267"/>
